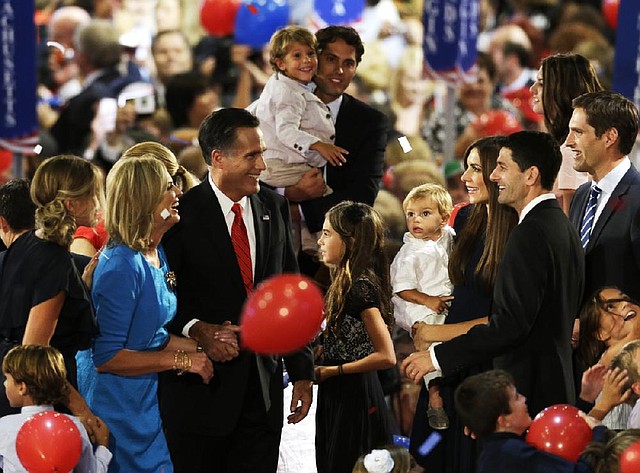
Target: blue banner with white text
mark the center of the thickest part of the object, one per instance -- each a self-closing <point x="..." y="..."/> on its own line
<point x="450" y="36"/>
<point x="18" y="63"/>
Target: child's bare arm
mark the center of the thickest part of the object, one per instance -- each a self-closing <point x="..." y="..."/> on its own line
<point x="438" y="304"/>
<point x="332" y="153"/>
<point x="101" y="432"/>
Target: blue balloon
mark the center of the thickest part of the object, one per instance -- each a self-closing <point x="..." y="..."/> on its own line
<point x="339" y="12"/>
<point x="257" y="20"/>
<point x="401" y="441"/>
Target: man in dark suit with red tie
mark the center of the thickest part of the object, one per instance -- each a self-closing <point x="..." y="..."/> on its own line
<point x="606" y="211"/>
<point x="232" y="425"/>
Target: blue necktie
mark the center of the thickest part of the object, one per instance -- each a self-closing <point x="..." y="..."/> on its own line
<point x="589" y="215"/>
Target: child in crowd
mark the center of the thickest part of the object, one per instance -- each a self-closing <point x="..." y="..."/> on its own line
<point x="390" y="459"/>
<point x="36" y="379"/>
<point x="352" y="416"/>
<point x="491" y="407"/>
<point x="298" y="127"/>
<point x="420" y="274"/>
<point x="605" y="456"/>
<point x="629" y="359"/>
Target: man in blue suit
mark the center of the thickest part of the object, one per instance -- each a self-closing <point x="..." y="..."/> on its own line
<point x="602" y="132"/>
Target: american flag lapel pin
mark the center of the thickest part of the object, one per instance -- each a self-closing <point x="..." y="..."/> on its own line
<point x="265" y="218"/>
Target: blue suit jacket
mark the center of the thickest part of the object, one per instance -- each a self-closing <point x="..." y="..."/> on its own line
<point x="505" y="452"/>
<point x="612" y="257"/>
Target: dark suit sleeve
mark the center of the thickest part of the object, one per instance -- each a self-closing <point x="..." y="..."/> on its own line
<point x="361" y="130"/>
<point x="299" y="364"/>
<point x="518" y="297"/>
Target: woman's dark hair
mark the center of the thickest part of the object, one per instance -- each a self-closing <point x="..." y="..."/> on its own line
<point x="590" y="346"/>
<point x="564" y="77"/>
<point x="495" y="227"/>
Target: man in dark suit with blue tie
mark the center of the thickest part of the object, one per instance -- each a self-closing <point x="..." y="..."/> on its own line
<point x="538" y="288"/>
<point x="233" y="424"/>
<point x="606" y="211"/>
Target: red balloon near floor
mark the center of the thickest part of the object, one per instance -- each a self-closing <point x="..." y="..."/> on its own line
<point x="49" y="442"/>
<point x="282" y="315"/>
<point x="560" y="430"/>
<point x="630" y="459"/>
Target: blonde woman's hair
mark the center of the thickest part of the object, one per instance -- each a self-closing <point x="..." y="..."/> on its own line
<point x="282" y="39"/>
<point x="435" y="192"/>
<point x="134" y="189"/>
<point x="43" y="371"/>
<point x="57" y="180"/>
<point x="181" y="177"/>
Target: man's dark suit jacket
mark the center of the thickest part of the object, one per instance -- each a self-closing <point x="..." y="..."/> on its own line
<point x="612" y="256"/>
<point x="73" y="127"/>
<point x="361" y="130"/>
<point x="536" y="297"/>
<point x="210" y="288"/>
<point x="504" y="452"/>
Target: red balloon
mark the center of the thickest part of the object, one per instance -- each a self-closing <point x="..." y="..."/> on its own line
<point x="496" y="122"/>
<point x="629" y="461"/>
<point x="610" y="11"/>
<point x="218" y="17"/>
<point x="282" y="315"/>
<point x="560" y="430"/>
<point x="49" y="442"/>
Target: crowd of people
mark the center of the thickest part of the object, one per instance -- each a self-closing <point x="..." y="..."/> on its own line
<point x="464" y="292"/>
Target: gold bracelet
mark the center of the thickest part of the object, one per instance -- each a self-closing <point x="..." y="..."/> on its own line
<point x="181" y="362"/>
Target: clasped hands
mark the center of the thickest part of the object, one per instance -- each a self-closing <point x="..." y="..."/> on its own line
<point x="220" y="342"/>
<point x="417" y="365"/>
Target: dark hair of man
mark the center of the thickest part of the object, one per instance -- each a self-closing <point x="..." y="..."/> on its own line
<point x="182" y="91"/>
<point x="535" y="148"/>
<point x="605" y="110"/>
<point x="518" y="50"/>
<point x="218" y="130"/>
<point x="345" y="33"/>
<point x="16" y="206"/>
<point x="482" y="398"/>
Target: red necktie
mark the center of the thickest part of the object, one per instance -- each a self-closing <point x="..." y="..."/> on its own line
<point x="240" y="242"/>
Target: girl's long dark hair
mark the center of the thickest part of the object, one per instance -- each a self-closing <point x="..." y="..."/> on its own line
<point x="362" y="232"/>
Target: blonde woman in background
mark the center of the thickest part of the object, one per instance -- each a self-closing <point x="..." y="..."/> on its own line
<point x="42" y="297"/>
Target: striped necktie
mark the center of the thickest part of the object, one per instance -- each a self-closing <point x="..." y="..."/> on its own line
<point x="589" y="216"/>
<point x="240" y="242"/>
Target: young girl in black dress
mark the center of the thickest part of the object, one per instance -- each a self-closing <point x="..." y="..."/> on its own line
<point x="352" y="417"/>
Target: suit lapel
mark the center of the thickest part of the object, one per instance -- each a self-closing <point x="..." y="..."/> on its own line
<point x="615" y="202"/>
<point x="213" y="223"/>
<point x="262" y="225"/>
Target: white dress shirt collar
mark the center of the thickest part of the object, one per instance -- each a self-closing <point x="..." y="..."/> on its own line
<point x="541" y="198"/>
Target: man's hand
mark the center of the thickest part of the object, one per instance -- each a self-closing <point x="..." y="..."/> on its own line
<point x="311" y="186"/>
<point x="220" y="342"/>
<point x="301" y="400"/>
<point x="416" y="365"/>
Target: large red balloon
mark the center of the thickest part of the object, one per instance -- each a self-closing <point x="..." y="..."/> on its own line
<point x="49" y="442"/>
<point x="560" y="430"/>
<point x="282" y="315"/>
<point x="629" y="461"/>
<point x="610" y="11"/>
<point x="218" y="17"/>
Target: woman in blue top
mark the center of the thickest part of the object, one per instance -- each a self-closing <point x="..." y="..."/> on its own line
<point x="134" y="297"/>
